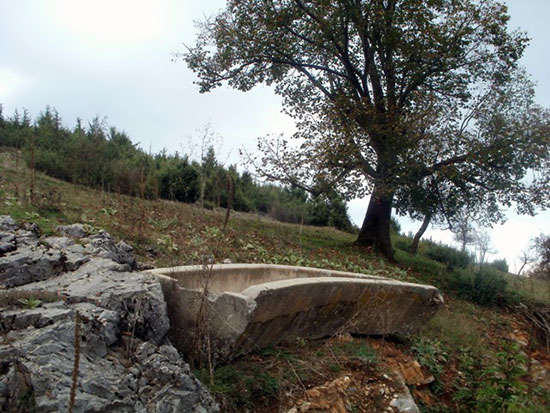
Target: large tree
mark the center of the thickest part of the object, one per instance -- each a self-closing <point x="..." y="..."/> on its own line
<point x="419" y="103"/>
<point x="541" y="247"/>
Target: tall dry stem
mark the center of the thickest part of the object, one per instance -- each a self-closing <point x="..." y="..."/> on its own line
<point x="77" y="323"/>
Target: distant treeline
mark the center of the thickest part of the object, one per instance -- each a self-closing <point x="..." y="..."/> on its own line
<point x="100" y="156"/>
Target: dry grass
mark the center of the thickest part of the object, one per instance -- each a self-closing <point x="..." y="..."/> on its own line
<point x="166" y="233"/>
<point x="26" y="299"/>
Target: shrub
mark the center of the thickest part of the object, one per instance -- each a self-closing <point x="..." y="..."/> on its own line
<point x="485" y="286"/>
<point x="395" y="226"/>
<point x="402" y="243"/>
<point x="428" y="269"/>
<point x="497" y="387"/>
<point x="500" y="265"/>
<point x="450" y="256"/>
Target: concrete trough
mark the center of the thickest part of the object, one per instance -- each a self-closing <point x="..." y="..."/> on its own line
<point x="252" y="306"/>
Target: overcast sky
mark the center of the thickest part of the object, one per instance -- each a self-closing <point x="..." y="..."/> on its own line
<point x="113" y="58"/>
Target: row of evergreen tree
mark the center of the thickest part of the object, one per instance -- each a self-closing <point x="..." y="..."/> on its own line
<point x="100" y="156"/>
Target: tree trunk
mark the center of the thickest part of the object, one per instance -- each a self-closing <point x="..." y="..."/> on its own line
<point x="423" y="227"/>
<point x="375" y="231"/>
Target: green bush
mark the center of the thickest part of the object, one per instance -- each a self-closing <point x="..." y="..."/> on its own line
<point x="485" y="286"/>
<point x="450" y="256"/>
<point x="402" y="243"/>
<point x="500" y="265"/>
<point x="428" y="269"/>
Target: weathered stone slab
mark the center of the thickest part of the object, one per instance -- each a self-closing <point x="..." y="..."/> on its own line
<point x="254" y="306"/>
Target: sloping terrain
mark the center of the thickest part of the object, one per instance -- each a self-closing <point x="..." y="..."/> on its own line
<point x="468" y="358"/>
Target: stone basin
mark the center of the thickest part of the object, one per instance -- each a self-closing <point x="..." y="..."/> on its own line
<point x="251" y="306"/>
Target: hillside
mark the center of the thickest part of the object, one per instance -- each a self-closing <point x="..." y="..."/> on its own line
<point x="470" y="357"/>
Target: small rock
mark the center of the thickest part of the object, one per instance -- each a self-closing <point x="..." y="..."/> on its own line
<point x="7" y="242"/>
<point x="520" y="337"/>
<point x="304" y="407"/>
<point x="539" y="374"/>
<point x="313" y="393"/>
<point x="7" y="223"/>
<point x="403" y="401"/>
<point x="413" y="374"/>
<point x="73" y="231"/>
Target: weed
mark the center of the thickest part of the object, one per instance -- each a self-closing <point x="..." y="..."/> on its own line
<point x="497" y="386"/>
<point x="366" y="354"/>
<point x="167" y="243"/>
<point x="28" y="402"/>
<point x="335" y="368"/>
<point x="109" y="211"/>
<point x="238" y="387"/>
<point x="30" y="303"/>
<point x="359" y="351"/>
<point x="32" y="216"/>
<point x="433" y="355"/>
<point x="277" y="353"/>
<point x="301" y="342"/>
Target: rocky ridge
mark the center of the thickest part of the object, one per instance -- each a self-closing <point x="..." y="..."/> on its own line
<point x="126" y="363"/>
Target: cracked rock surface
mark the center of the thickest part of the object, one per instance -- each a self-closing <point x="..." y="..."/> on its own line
<point x="126" y="363"/>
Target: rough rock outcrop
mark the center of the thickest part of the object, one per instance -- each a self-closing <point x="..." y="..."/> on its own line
<point x="126" y="364"/>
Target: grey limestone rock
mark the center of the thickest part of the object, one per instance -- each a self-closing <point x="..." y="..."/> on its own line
<point x="29" y="264"/>
<point x="402" y="400"/>
<point x="126" y="362"/>
<point x="7" y="242"/>
<point x="103" y="245"/>
<point x="73" y="231"/>
<point x="23" y="259"/>
<point x="539" y="374"/>
<point x="37" y="317"/>
<point x="7" y="223"/>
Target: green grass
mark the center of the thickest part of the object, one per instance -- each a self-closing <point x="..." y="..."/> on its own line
<point x="462" y="327"/>
<point x="530" y="290"/>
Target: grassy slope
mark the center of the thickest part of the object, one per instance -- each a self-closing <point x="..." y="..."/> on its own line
<point x="165" y="233"/>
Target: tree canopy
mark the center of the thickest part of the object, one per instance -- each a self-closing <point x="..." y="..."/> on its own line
<point x="541" y="247"/>
<point x="419" y="103"/>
